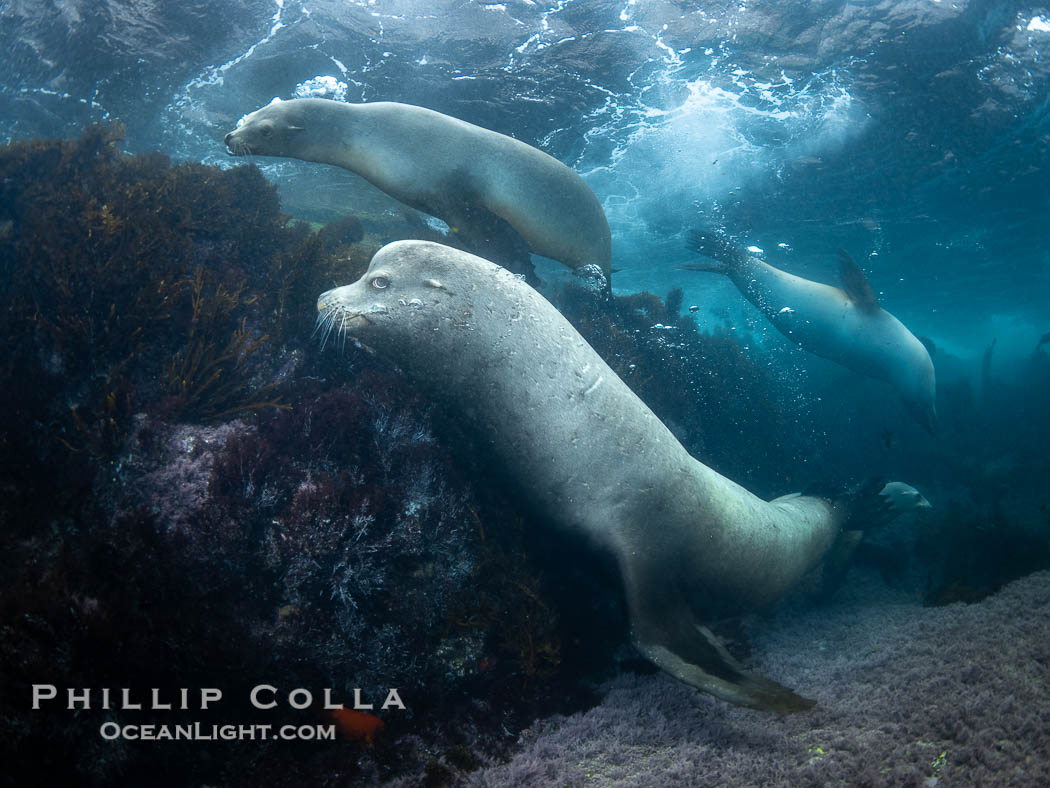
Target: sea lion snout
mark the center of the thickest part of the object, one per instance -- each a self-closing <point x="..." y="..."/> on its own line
<point x="234" y="146"/>
<point x="339" y="311"/>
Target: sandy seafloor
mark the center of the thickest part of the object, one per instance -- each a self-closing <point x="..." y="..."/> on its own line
<point x="908" y="695"/>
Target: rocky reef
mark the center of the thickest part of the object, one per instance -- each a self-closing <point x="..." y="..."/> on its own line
<point x="196" y="495"/>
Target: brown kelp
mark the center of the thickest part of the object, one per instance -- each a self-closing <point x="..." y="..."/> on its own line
<point x="233" y="508"/>
<point x="195" y="496"/>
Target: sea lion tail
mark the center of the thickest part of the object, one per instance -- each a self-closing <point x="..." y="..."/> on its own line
<point x="717" y="246"/>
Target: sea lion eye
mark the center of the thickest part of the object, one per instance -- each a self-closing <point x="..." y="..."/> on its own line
<point x="380" y="283"/>
<point x="267" y="131"/>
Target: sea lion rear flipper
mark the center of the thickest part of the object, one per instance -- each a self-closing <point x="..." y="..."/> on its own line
<point x="868" y="507"/>
<point x="856" y="285"/>
<point x="666" y="631"/>
<point x="709" y="243"/>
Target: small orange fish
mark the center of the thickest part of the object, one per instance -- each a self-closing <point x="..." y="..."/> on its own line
<point x="357" y="725"/>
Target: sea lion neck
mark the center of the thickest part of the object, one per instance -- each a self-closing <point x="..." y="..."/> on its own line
<point x="332" y="132"/>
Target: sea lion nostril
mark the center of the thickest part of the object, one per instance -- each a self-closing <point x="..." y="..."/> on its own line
<point x="226" y="139"/>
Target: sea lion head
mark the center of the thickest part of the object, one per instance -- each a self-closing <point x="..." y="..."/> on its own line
<point x="281" y="128"/>
<point x="904" y="498"/>
<point x="416" y="296"/>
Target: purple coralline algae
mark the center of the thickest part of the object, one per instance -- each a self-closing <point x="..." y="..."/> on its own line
<point x="908" y="695"/>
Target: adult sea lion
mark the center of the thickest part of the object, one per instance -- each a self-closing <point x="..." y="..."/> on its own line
<point x="479" y="182"/>
<point x="590" y="455"/>
<point x="905" y="498"/>
<point x="846" y="326"/>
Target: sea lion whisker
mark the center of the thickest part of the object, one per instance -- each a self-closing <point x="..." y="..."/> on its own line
<point x="323" y="317"/>
<point x="325" y="323"/>
<point x="344" y="317"/>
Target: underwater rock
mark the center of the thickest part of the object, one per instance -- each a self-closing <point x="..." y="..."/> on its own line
<point x="141" y="44"/>
<point x="171" y="466"/>
<point x="209" y="538"/>
<point x="181" y="549"/>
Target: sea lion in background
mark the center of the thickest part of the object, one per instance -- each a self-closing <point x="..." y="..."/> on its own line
<point x="589" y="455"/>
<point x="904" y="498"/>
<point x="846" y="326"/>
<point x="897" y="498"/>
<point x="484" y="185"/>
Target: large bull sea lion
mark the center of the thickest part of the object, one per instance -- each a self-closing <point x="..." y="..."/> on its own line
<point x="691" y="545"/>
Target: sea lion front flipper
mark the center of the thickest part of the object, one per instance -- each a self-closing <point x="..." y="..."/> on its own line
<point x="709" y="243"/>
<point x="856" y="285"/>
<point x="666" y="631"/>
<point x="487" y="235"/>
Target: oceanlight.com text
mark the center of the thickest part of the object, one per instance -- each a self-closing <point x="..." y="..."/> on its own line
<point x="198" y="732"/>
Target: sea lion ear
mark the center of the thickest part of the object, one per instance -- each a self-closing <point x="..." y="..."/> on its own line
<point x="296" y="128"/>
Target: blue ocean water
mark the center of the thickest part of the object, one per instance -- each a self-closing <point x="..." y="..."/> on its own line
<point x="913" y="134"/>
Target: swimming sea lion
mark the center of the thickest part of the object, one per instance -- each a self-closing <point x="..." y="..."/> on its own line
<point x="475" y="180"/>
<point x="894" y="499"/>
<point x="904" y="498"/>
<point x="589" y="454"/>
<point x="845" y="326"/>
